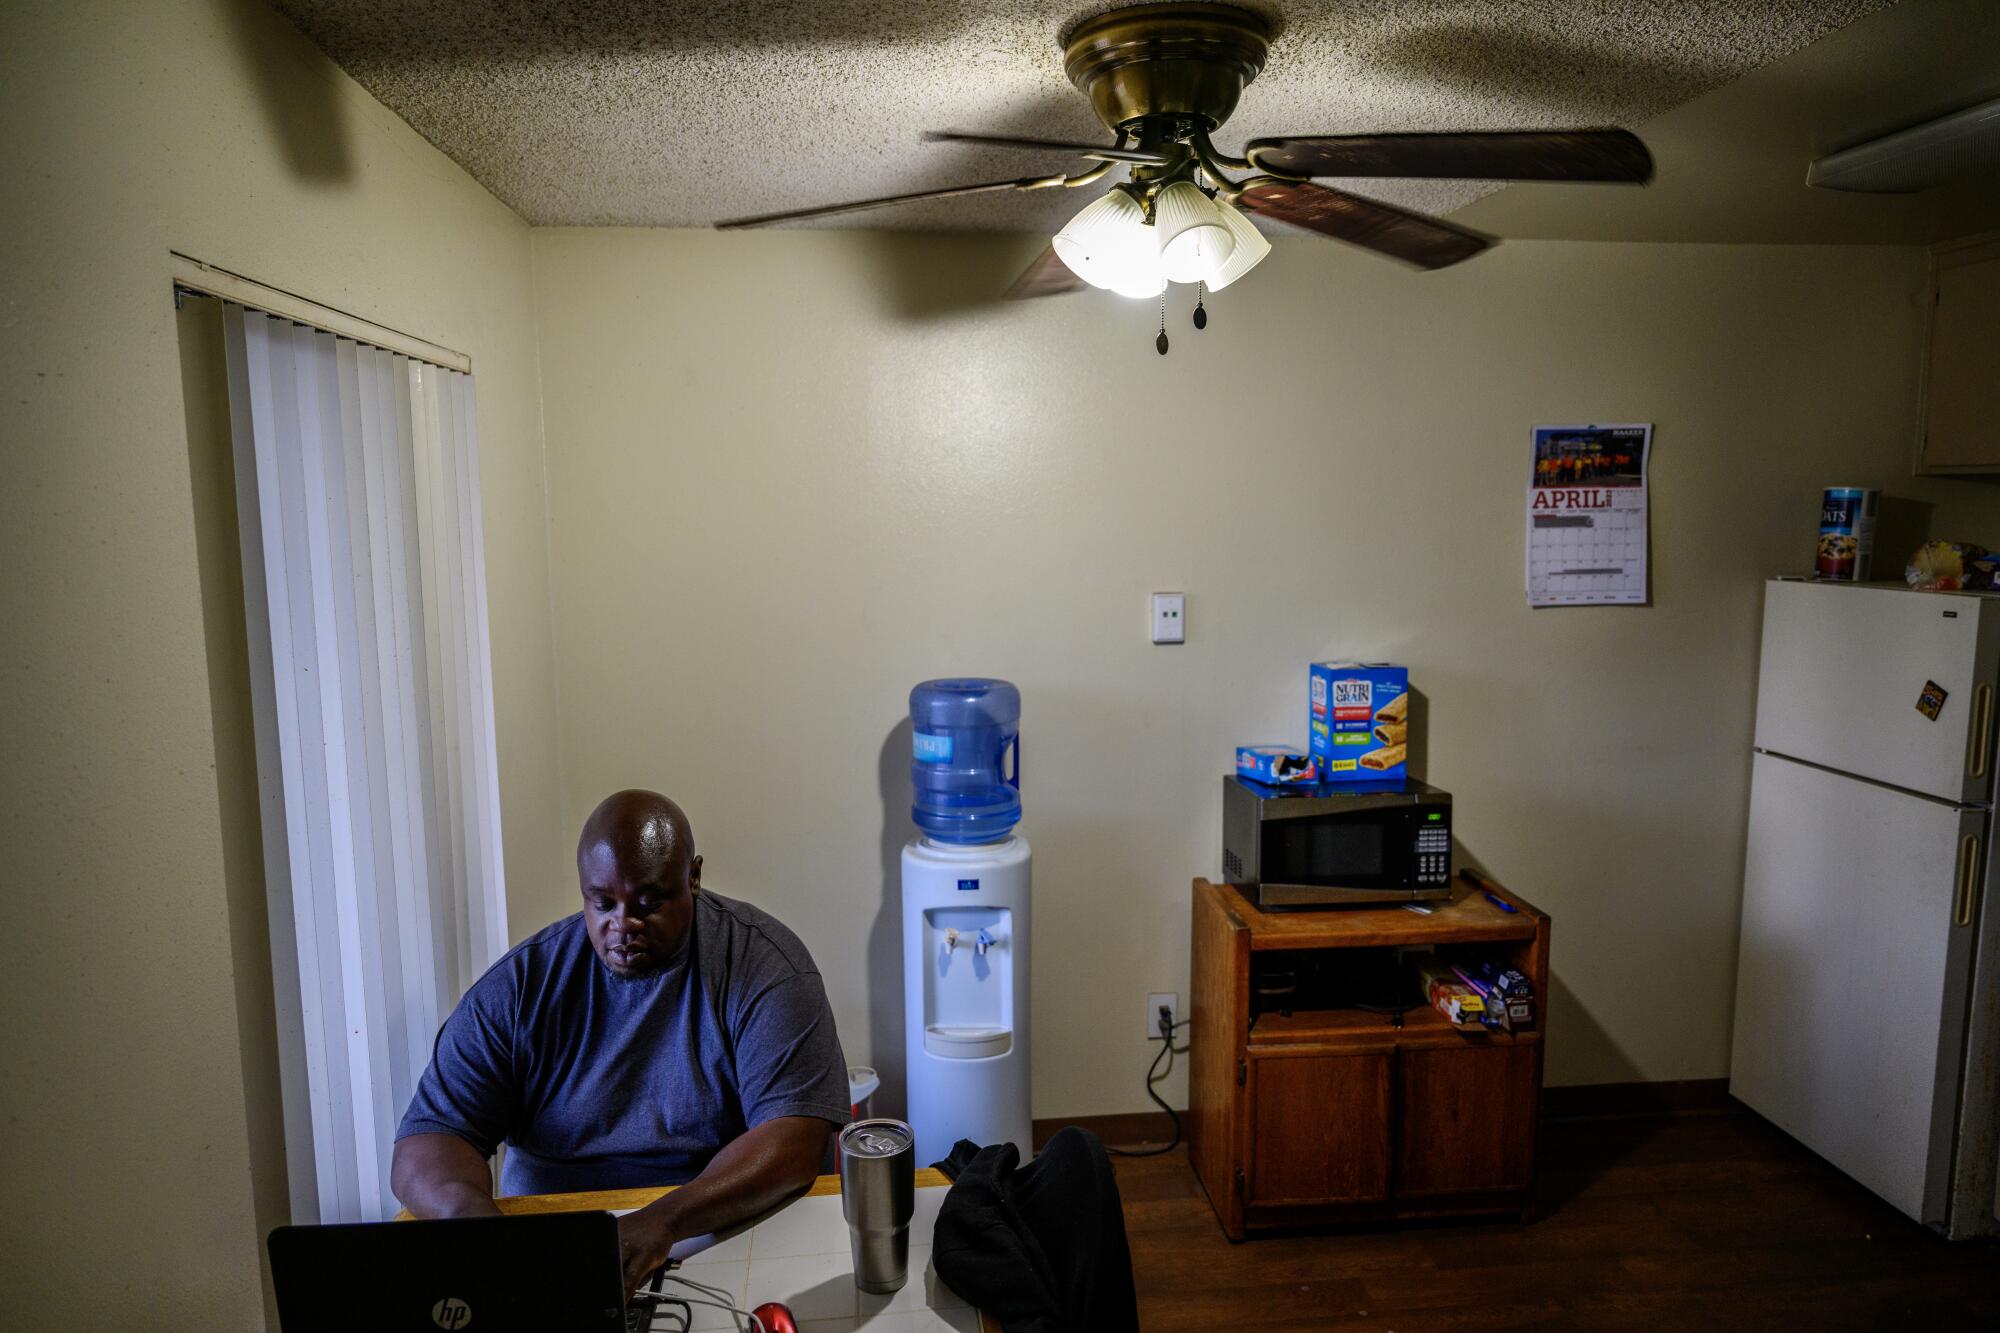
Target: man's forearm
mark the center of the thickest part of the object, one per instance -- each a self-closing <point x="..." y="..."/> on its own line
<point x="750" y="1176"/>
<point x="441" y="1175"/>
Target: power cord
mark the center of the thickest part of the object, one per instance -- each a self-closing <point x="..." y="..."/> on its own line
<point x="1153" y="1074"/>
<point x="659" y="1305"/>
<point x="664" y="1307"/>
<point x="719" y="1299"/>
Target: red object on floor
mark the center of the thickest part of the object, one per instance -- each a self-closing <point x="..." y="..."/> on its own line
<point x="777" y="1319"/>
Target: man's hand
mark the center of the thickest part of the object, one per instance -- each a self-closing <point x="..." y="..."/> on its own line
<point x="644" y="1242"/>
<point x="753" y="1174"/>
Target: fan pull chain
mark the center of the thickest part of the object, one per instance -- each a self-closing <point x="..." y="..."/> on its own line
<point x="1161" y="341"/>
<point x="1200" y="315"/>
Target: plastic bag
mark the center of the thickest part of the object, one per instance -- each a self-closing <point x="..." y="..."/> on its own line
<point x="1953" y="566"/>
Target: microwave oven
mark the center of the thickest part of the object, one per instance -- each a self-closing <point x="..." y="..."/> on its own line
<point x="1326" y="845"/>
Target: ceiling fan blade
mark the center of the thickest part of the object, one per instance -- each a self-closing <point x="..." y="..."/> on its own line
<point x="861" y="205"/>
<point x="1047" y="275"/>
<point x="1414" y="238"/>
<point x="1494" y="155"/>
<point x="1099" y="151"/>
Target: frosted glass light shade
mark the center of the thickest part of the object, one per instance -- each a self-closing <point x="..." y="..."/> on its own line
<point x="1142" y="274"/>
<point x="1098" y="244"/>
<point x="1195" y="241"/>
<point x="1251" y="247"/>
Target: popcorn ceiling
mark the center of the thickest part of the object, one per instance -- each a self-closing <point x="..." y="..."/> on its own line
<point x="670" y="114"/>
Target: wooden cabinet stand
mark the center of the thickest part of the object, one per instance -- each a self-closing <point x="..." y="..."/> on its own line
<point x="1307" y="1116"/>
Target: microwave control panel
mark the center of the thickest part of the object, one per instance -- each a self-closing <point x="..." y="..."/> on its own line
<point x="1433" y="851"/>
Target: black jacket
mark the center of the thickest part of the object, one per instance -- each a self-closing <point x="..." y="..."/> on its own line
<point x="1040" y="1247"/>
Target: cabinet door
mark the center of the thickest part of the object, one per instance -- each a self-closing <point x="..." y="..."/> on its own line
<point x="1219" y="1017"/>
<point x="1319" y="1128"/>
<point x="1962" y="380"/>
<point x="1467" y="1119"/>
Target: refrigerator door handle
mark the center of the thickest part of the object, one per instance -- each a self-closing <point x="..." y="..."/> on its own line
<point x="1968" y="864"/>
<point x="1982" y="722"/>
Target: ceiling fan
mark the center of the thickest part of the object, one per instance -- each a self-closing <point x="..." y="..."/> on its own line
<point x="1163" y="78"/>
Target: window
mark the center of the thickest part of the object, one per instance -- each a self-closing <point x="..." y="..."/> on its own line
<point x="357" y="477"/>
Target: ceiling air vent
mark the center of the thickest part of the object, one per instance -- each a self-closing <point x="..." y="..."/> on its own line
<point x="1917" y="158"/>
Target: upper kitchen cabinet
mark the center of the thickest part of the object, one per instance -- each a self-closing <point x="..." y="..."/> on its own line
<point x="1959" y="430"/>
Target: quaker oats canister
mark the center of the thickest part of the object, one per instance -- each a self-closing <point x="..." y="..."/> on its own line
<point x="1846" y="533"/>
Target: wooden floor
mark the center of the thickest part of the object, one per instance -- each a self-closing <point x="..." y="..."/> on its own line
<point x="1704" y="1222"/>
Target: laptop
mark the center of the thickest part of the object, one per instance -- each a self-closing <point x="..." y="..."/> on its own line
<point x="522" y="1274"/>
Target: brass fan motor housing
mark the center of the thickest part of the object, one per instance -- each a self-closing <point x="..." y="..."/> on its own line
<point x="1188" y="61"/>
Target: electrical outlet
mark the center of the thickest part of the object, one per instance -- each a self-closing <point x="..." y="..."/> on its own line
<point x="1171" y="999"/>
<point x="1169" y="617"/>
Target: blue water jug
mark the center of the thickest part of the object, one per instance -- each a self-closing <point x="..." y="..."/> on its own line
<point x="965" y="759"/>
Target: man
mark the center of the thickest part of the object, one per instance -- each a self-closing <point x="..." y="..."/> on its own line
<point x="662" y="1035"/>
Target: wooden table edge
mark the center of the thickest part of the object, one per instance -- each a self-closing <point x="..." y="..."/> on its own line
<point x="586" y="1201"/>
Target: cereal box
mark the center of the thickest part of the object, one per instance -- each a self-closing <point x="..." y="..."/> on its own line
<point x="1358" y="720"/>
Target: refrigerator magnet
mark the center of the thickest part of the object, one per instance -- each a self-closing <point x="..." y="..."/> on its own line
<point x="1931" y="702"/>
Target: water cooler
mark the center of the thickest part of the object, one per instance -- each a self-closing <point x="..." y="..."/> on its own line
<point x="965" y="920"/>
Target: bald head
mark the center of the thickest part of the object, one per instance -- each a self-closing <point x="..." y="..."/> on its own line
<point x="637" y="825"/>
<point x="637" y="868"/>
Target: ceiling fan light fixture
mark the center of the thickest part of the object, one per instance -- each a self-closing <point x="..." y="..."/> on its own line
<point x="1164" y="77"/>
<point x="1099" y="243"/>
<point x="1195" y="241"/>
<point x="1251" y="247"/>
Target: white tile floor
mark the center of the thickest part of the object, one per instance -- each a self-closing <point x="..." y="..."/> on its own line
<point x="801" y="1258"/>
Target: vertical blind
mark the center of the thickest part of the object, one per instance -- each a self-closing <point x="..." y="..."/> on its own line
<point x="364" y="571"/>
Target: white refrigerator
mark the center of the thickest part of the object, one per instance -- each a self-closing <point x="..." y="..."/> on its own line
<point x="1868" y="980"/>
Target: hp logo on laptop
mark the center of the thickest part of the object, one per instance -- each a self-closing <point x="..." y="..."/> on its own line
<point x="451" y="1312"/>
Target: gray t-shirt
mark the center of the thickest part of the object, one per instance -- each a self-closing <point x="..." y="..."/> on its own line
<point x="599" y="1083"/>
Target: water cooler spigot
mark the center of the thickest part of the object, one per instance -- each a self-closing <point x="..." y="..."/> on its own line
<point x="982" y="944"/>
<point x="951" y="940"/>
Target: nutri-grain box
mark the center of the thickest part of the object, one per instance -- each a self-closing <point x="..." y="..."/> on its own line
<point x="1358" y="720"/>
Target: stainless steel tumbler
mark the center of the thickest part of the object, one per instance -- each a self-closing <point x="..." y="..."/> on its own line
<point x="878" y="1195"/>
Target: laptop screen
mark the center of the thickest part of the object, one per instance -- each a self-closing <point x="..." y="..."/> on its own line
<point x="522" y="1274"/>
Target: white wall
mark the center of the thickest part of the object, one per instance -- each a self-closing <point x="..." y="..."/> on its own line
<point x="792" y="475"/>
<point x="143" y="1154"/>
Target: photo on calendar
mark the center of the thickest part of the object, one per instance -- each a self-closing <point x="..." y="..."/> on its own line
<point x="1591" y="456"/>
